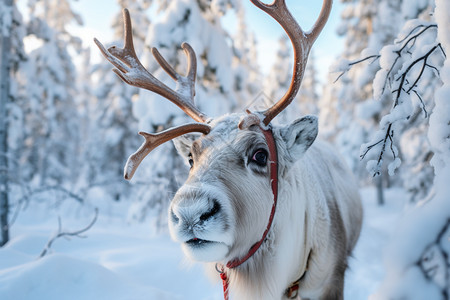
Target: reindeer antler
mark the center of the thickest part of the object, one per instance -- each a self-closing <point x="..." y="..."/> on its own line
<point x="154" y="140"/>
<point x="302" y="43"/>
<point x="130" y="70"/>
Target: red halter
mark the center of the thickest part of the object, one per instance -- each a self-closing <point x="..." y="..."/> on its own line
<point x="273" y="166"/>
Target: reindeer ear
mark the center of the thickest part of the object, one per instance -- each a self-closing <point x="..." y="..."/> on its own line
<point x="183" y="144"/>
<point x="299" y="135"/>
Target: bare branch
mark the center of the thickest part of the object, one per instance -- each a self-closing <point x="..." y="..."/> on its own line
<point x="61" y="233"/>
<point x="414" y="37"/>
<point x="355" y="62"/>
<point x="424" y="65"/>
<point x="368" y="148"/>
<point x="56" y="188"/>
<point x="421" y="102"/>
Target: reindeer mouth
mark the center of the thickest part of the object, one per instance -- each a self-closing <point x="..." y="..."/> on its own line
<point x="205" y="250"/>
<point x="196" y="242"/>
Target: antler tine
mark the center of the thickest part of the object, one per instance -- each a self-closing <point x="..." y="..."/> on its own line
<point x="321" y="20"/>
<point x="130" y="70"/>
<point x="154" y="140"/>
<point x="302" y="43"/>
<point x="189" y="80"/>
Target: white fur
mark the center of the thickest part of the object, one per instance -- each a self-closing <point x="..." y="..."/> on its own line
<point x="316" y="194"/>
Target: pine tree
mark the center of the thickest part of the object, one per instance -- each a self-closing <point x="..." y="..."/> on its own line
<point x="48" y="92"/>
<point x="247" y="75"/>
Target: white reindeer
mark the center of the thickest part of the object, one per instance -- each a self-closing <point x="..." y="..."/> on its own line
<point x="276" y="215"/>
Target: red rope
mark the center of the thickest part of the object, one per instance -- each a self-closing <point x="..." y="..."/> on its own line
<point x="273" y="161"/>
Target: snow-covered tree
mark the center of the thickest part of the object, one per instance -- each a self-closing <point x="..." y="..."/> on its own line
<point x="112" y="127"/>
<point x="415" y="150"/>
<point x="11" y="54"/>
<point x="353" y="100"/>
<point x="247" y="74"/>
<point x="308" y="98"/>
<point x="417" y="263"/>
<point x="48" y="90"/>
<point x="409" y="75"/>
<point x="279" y="80"/>
<point x="338" y="119"/>
<point x="198" y="23"/>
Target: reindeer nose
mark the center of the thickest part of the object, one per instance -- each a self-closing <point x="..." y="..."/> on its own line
<point x="210" y="213"/>
<point x="194" y="213"/>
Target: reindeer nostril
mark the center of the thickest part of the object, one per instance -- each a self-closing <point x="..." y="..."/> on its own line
<point x="174" y="217"/>
<point x="214" y="210"/>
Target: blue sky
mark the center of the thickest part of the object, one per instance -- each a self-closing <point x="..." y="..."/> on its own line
<point x="98" y="16"/>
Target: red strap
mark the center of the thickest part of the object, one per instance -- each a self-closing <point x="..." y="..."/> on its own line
<point x="273" y="167"/>
<point x="273" y="161"/>
<point x="224" y="278"/>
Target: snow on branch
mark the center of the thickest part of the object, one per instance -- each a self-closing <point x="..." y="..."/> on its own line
<point x="346" y="65"/>
<point x="433" y="261"/>
<point x="61" y="233"/>
<point x="402" y="67"/>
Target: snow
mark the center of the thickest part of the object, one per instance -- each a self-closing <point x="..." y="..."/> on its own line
<point x="114" y="261"/>
<point x="439" y="132"/>
<point x="59" y="276"/>
<point x="414" y="250"/>
<point x="388" y="56"/>
<point x="393" y="166"/>
<point x="411" y="7"/>
<point x="117" y="260"/>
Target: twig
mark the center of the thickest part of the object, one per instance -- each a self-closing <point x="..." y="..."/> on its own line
<point x="66" y="233"/>
<point x="414" y="37"/>
<point x="424" y="65"/>
<point x="423" y="104"/>
<point x="405" y="44"/>
<point x="383" y="148"/>
<point x="57" y="188"/>
<point x="355" y="62"/>
<point x="368" y="148"/>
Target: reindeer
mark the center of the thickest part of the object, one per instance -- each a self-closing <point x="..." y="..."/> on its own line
<point x="275" y="213"/>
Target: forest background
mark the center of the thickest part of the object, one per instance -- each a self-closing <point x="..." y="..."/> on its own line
<point x="378" y="78"/>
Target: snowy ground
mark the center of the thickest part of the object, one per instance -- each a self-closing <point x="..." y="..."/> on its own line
<point x="123" y="261"/>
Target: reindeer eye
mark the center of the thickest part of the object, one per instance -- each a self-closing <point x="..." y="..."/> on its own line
<point x="191" y="161"/>
<point x="259" y="157"/>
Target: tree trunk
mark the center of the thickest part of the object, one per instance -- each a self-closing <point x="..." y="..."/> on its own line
<point x="380" y="192"/>
<point x="5" y="52"/>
